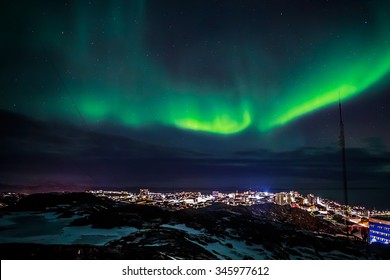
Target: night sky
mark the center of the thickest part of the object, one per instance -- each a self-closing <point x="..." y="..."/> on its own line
<point x="196" y="95"/>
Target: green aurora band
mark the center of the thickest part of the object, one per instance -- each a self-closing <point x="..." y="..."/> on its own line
<point x="135" y="89"/>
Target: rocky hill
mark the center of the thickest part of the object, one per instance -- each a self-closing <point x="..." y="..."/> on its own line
<point x="82" y="226"/>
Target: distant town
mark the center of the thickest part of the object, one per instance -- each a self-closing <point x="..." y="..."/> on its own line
<point x="361" y="223"/>
<point x="364" y="224"/>
<point x="318" y="206"/>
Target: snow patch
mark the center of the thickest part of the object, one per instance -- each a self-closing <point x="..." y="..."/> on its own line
<point x="48" y="228"/>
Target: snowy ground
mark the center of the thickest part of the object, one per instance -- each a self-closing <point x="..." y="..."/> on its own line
<point x="222" y="248"/>
<point x="47" y="228"/>
<point x="183" y="227"/>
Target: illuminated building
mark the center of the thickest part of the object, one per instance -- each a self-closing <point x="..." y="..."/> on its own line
<point x="281" y="199"/>
<point x="379" y="230"/>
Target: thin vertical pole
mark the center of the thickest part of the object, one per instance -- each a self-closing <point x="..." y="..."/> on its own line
<point x="344" y="165"/>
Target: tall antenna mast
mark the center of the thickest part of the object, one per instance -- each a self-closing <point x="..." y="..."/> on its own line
<point x="344" y="164"/>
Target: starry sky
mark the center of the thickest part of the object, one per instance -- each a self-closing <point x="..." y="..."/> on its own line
<point x="215" y="94"/>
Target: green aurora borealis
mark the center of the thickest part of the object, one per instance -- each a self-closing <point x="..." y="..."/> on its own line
<point x="196" y="95"/>
<point x="221" y="82"/>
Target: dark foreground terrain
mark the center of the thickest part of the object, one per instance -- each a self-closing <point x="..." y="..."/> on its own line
<point x="82" y="226"/>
